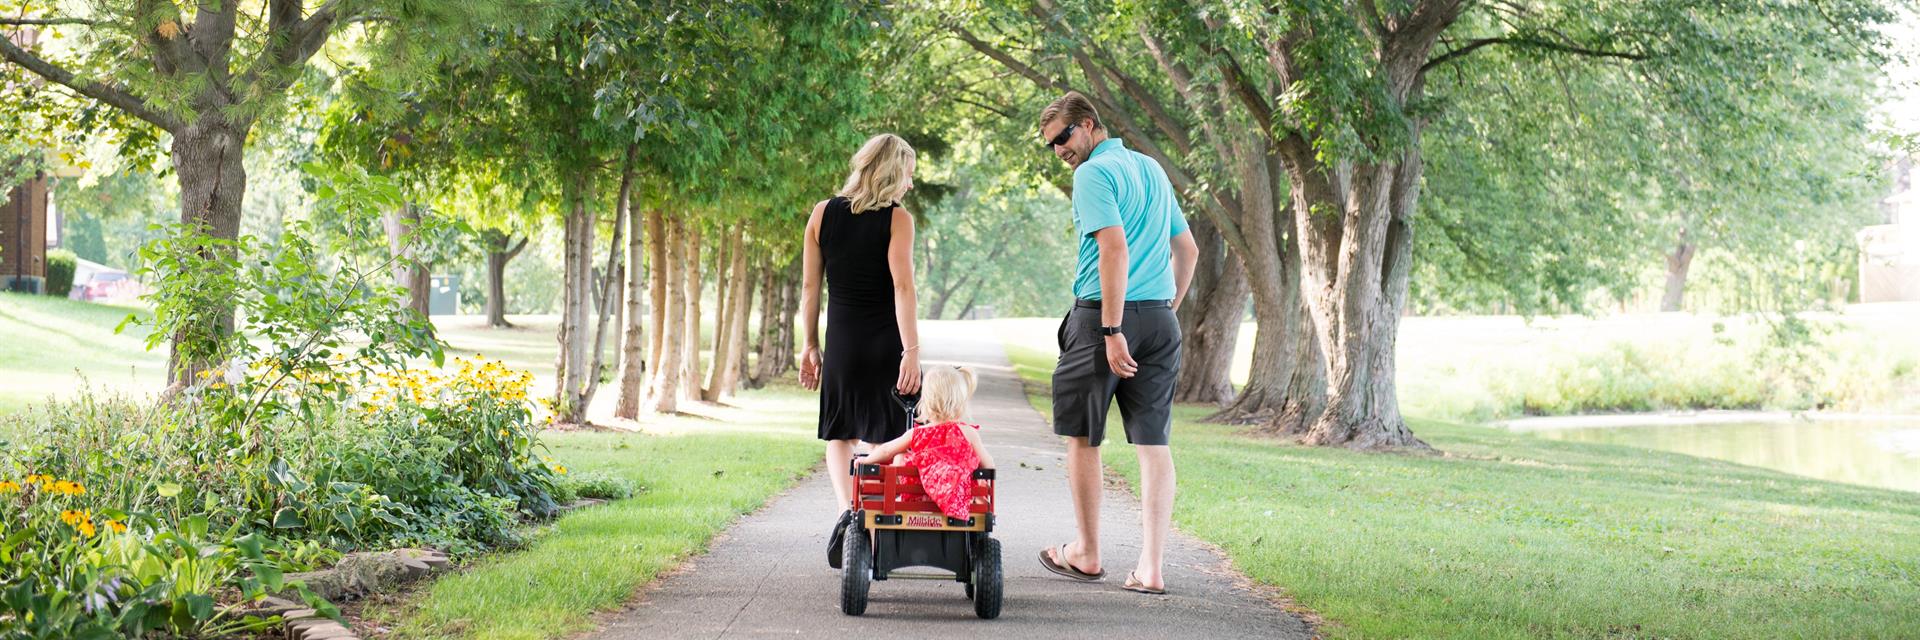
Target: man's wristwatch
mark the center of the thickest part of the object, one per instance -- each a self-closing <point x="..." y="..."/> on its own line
<point x="1109" y="331"/>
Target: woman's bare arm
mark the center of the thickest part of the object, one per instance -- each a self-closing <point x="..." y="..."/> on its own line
<point x="811" y="272"/>
<point x="905" y="305"/>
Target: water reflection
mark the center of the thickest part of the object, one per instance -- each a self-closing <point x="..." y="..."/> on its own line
<point x="1870" y="453"/>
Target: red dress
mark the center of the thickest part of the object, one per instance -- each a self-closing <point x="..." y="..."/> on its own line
<point x="946" y="464"/>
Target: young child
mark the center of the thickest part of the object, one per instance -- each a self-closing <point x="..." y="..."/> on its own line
<point x="945" y="448"/>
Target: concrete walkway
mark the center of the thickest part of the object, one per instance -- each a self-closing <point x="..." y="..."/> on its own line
<point x="767" y="575"/>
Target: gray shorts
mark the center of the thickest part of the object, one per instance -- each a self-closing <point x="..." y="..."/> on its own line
<point x="1084" y="386"/>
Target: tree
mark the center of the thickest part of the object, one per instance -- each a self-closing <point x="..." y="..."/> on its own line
<point x="1338" y="97"/>
<point x="206" y="74"/>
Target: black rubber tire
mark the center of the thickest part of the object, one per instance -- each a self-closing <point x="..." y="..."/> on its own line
<point x="986" y="580"/>
<point x="856" y="573"/>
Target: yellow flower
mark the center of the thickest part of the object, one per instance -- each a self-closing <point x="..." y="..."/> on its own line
<point x="38" y="479"/>
<point x="68" y="487"/>
<point x="86" y="528"/>
<point x="503" y="434"/>
<point x="217" y="385"/>
<point x="73" y="518"/>
<point x="9" y="486"/>
<point x="560" y="469"/>
<point x="115" y="526"/>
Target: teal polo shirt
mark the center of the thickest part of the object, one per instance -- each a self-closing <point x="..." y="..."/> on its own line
<point x="1118" y="187"/>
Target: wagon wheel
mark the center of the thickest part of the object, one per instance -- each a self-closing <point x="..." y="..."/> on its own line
<point x="986" y="580"/>
<point x="856" y="573"/>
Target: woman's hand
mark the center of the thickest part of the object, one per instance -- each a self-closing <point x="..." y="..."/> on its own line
<point x="909" y="382"/>
<point x="810" y="368"/>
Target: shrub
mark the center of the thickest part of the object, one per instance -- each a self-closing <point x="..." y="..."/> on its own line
<point x="61" y="264"/>
<point x="123" y="518"/>
<point x="593" y="484"/>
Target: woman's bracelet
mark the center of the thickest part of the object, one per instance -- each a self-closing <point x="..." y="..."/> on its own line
<point x="909" y="349"/>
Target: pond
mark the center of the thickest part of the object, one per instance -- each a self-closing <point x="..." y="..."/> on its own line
<point x="1874" y="453"/>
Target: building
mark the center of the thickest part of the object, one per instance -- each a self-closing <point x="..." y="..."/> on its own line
<point x="23" y="236"/>
<point x="1890" y="252"/>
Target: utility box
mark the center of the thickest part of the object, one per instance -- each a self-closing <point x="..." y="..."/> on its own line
<point x="443" y="295"/>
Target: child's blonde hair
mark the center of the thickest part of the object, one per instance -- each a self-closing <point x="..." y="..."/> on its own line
<point x="944" y="395"/>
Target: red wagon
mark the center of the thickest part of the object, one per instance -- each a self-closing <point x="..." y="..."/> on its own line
<point x="897" y="526"/>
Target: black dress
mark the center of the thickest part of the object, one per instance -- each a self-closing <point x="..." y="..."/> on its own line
<point x="862" y="352"/>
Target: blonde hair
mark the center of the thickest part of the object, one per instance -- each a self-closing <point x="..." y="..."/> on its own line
<point x="882" y="170"/>
<point x="1071" y="109"/>
<point x="944" y="395"/>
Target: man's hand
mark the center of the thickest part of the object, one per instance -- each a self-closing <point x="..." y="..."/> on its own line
<point x="1118" y="358"/>
<point x="810" y="368"/>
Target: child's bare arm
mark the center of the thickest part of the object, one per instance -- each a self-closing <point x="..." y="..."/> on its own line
<point x="885" y="452"/>
<point x="979" y="450"/>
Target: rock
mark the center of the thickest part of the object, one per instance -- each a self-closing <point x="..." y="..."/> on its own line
<point x="433" y="559"/>
<point x="329" y="631"/>
<point x="358" y="574"/>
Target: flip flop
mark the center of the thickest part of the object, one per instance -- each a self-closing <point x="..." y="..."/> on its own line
<point x="1134" y="584"/>
<point x="1066" y="568"/>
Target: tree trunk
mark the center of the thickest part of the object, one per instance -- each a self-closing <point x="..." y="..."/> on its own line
<point x="764" y="347"/>
<point x="408" y="271"/>
<point x="207" y="157"/>
<point x="1209" y="321"/>
<point x="499" y="253"/>
<point x="661" y="279"/>
<point x="571" y="366"/>
<point x="663" y="391"/>
<point x="607" y="299"/>
<point x="1355" y="279"/>
<point x="1678" y="263"/>
<point x="690" y="337"/>
<point x="1275" y="379"/>
<point x="642" y="241"/>
<point x="789" y="309"/>
<point x="735" y="339"/>
<point x="743" y="365"/>
<point x="724" y="302"/>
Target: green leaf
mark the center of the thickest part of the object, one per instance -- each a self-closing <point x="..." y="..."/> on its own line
<point x="200" y="606"/>
<point x="286" y="518"/>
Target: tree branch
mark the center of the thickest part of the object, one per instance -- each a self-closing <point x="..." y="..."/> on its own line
<point x="110" y="95"/>
<point x="34" y="22"/>
<point x="1475" y="45"/>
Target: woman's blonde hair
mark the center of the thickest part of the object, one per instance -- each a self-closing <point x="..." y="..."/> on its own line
<point x="882" y="170"/>
<point x="944" y="395"/>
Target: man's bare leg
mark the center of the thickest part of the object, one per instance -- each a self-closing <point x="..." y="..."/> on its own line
<point x="1156" y="512"/>
<point x="1083" y="479"/>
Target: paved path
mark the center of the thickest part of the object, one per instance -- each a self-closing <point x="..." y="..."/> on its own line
<point x="767" y="575"/>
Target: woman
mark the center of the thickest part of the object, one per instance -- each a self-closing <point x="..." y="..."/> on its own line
<point x="862" y="243"/>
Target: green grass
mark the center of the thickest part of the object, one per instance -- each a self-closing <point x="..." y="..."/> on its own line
<point x="1510" y="536"/>
<point x="1477" y="368"/>
<point x="54" y="347"/>
<point x="697" y="475"/>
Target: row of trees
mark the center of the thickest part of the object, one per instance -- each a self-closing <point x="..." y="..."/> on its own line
<point x="1548" y="146"/>
<point x="1562" y="135"/>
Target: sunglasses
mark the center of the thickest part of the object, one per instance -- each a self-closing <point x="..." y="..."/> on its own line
<point x="1062" y="138"/>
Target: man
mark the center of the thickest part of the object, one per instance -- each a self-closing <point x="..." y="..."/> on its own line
<point x="1121" y="338"/>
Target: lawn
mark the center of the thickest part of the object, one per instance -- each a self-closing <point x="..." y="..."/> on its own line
<point x="1478" y="368"/>
<point x="698" y="474"/>
<point x="698" y="471"/>
<point x="53" y="346"/>
<point x="1511" y="536"/>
